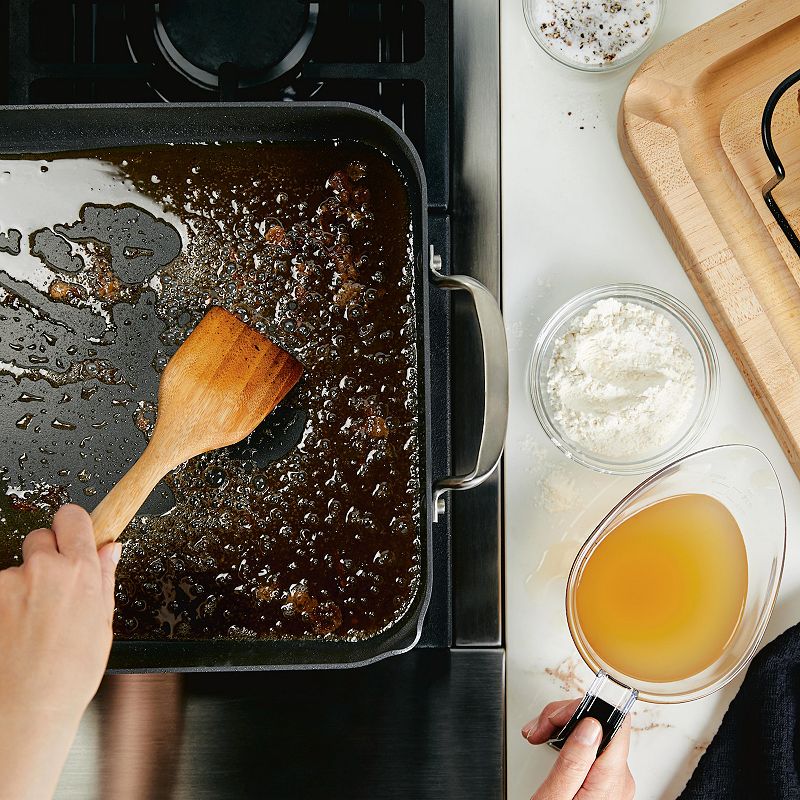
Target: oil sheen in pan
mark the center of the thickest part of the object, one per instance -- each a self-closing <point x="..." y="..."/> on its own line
<point x="107" y="261"/>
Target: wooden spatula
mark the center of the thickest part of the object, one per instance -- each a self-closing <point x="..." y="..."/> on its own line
<point x="222" y="381"/>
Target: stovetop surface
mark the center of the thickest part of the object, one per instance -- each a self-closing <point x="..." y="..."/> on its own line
<point x="391" y="56"/>
<point x="428" y="724"/>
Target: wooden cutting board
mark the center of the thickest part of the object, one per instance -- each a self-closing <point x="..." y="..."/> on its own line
<point x="690" y="131"/>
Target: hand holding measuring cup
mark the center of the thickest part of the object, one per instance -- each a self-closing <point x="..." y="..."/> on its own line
<point x="669" y="597"/>
<point x="579" y="771"/>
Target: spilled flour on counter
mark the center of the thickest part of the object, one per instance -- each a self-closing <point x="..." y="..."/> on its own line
<point x="557" y="492"/>
<point x="620" y="381"/>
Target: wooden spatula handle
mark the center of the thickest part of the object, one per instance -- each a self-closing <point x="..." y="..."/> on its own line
<point x="221" y="382"/>
<point x="120" y="505"/>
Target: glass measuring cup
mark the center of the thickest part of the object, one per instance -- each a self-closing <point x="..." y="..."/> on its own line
<point x="741" y="478"/>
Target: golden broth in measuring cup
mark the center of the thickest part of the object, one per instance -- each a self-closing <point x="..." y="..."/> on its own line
<point x="669" y="597"/>
<point x="662" y="594"/>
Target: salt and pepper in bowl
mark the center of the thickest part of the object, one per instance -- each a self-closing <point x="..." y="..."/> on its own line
<point x="593" y="35"/>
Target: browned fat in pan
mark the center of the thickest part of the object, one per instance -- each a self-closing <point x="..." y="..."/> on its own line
<point x="310" y="527"/>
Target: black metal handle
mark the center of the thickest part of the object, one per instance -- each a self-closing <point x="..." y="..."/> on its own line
<point x="774" y="159"/>
<point x="605" y="700"/>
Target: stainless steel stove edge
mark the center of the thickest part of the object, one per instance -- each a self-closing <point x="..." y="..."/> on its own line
<point x="477" y="515"/>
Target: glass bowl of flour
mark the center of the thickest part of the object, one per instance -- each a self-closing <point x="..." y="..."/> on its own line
<point x="624" y="379"/>
<point x="593" y="35"/>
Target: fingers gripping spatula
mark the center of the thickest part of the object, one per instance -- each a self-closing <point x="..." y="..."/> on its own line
<point x="222" y="381"/>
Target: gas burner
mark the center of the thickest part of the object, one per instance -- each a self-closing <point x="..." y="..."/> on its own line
<point x="227" y="49"/>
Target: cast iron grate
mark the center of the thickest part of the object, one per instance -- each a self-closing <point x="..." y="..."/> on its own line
<point x="390" y="55"/>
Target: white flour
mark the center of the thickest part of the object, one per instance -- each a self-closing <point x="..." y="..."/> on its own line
<point x="620" y="381"/>
<point x="557" y="491"/>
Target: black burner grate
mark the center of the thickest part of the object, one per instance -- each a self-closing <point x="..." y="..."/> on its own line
<point x="390" y="55"/>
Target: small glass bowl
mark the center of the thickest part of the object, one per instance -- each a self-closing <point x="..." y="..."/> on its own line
<point x="691" y="333"/>
<point x="531" y="8"/>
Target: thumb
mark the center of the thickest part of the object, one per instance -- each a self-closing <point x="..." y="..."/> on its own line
<point x="573" y="763"/>
<point x="109" y="557"/>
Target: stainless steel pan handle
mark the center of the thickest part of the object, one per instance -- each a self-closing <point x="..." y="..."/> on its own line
<point x="495" y="383"/>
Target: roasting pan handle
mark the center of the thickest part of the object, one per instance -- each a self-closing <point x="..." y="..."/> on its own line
<point x="495" y="383"/>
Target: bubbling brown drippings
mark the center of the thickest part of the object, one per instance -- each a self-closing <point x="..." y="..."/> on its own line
<point x="310" y="244"/>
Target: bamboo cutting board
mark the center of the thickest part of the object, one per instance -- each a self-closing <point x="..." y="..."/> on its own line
<point x="690" y="131"/>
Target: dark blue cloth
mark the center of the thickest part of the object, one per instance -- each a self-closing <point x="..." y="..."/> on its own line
<point x="754" y="754"/>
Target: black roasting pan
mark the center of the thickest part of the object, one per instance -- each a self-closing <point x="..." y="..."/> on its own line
<point x="49" y="129"/>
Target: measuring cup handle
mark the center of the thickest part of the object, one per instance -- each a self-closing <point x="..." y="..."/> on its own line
<point x="608" y="702"/>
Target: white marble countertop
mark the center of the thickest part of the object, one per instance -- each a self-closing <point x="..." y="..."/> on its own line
<point x="573" y="218"/>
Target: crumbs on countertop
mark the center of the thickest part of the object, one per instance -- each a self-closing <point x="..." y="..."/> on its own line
<point x="566" y="674"/>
